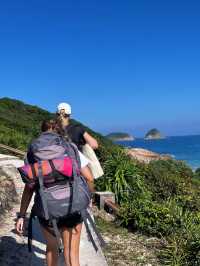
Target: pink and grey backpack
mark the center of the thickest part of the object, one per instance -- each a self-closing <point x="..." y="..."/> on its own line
<point x="60" y="190"/>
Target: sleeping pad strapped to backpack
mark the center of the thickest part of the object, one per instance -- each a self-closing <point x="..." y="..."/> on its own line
<point x="60" y="190"/>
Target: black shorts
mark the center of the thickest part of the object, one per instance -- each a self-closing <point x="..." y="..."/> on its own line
<point x="68" y="221"/>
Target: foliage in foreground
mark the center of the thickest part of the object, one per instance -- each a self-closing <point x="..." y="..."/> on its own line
<point x="160" y="199"/>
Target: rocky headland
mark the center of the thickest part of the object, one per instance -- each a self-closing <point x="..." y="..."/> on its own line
<point x="118" y="136"/>
<point x="154" y="134"/>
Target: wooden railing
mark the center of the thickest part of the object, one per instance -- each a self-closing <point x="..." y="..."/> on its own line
<point x="112" y="206"/>
<point x="13" y="150"/>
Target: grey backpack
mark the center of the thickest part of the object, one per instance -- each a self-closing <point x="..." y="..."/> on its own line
<point x="67" y="194"/>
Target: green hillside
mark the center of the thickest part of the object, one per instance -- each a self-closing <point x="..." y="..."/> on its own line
<point x="20" y="123"/>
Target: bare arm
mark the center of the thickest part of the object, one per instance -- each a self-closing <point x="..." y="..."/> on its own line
<point x="87" y="174"/>
<point x="26" y="198"/>
<point x="90" y="140"/>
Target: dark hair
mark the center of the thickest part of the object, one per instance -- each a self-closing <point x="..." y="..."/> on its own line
<point x="48" y="124"/>
<point x="56" y="126"/>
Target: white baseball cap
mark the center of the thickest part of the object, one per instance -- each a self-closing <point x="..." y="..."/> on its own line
<point x="66" y="107"/>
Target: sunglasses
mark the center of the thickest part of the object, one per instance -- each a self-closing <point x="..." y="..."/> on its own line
<point x="63" y="115"/>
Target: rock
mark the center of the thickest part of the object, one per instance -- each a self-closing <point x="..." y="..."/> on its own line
<point x="8" y="194"/>
<point x="146" y="156"/>
<point x="102" y="214"/>
<point x="153" y="134"/>
<point x="10" y="160"/>
<point x="9" y="177"/>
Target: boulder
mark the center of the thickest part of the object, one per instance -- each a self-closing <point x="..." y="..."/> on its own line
<point x="9" y="182"/>
<point x="8" y="194"/>
<point x="146" y="156"/>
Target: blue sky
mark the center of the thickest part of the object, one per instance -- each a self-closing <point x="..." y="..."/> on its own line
<point x="123" y="65"/>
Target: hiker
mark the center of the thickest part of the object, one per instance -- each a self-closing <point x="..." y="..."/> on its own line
<point x="70" y="227"/>
<point x="78" y="135"/>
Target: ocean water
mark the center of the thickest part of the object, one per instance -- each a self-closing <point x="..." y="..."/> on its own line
<point x="186" y="148"/>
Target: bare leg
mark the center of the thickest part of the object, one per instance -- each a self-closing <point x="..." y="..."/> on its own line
<point x="51" y="249"/>
<point x="71" y="241"/>
<point x="66" y="236"/>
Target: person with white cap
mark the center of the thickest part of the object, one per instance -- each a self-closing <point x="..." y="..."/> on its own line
<point x="75" y="132"/>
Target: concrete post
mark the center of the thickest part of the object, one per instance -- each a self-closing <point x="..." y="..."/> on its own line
<point x="101" y="196"/>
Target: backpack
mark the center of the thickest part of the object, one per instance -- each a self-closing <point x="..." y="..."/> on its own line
<point x="60" y="190"/>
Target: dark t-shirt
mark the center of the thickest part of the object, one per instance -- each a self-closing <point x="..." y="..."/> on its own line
<point x="75" y="133"/>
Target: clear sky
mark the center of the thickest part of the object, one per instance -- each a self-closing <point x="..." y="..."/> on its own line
<point x="123" y="65"/>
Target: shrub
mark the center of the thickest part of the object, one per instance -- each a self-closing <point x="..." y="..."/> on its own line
<point x="122" y="175"/>
<point x="168" y="178"/>
<point x="183" y="246"/>
<point x="160" y="199"/>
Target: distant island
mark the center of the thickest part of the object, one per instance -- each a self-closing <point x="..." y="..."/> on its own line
<point x="119" y="136"/>
<point x="154" y="134"/>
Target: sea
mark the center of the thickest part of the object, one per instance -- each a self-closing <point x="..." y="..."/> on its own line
<point x="185" y="148"/>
